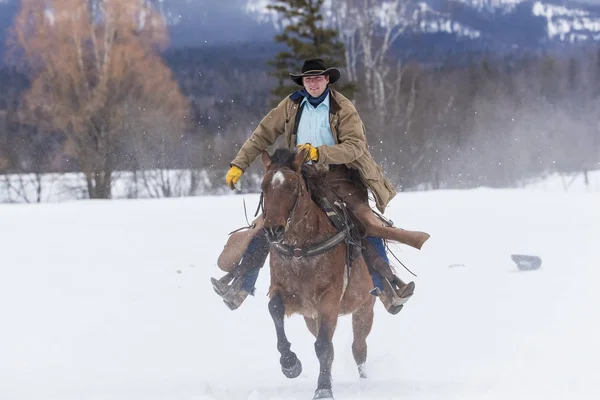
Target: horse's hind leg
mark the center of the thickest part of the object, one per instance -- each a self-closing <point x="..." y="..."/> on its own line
<point x="362" y="321"/>
<point x="290" y="365"/>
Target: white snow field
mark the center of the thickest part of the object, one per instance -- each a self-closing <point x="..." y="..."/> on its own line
<point x="112" y="300"/>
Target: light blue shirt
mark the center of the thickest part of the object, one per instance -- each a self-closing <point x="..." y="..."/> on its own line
<point x="314" y="125"/>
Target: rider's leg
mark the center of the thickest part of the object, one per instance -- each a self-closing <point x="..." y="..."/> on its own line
<point x="392" y="291"/>
<point x="380" y="247"/>
<point x="245" y="273"/>
<point x="250" y="279"/>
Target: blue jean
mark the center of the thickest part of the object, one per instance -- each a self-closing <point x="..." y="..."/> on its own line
<point x="251" y="278"/>
<point x="380" y="246"/>
<point x="256" y="254"/>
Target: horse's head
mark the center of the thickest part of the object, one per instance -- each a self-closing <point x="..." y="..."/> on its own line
<point x="282" y="187"/>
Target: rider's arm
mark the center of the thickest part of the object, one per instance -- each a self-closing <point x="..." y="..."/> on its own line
<point x="265" y="134"/>
<point x="351" y="139"/>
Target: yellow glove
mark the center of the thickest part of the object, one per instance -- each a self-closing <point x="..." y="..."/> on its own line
<point x="233" y="176"/>
<point x="312" y="154"/>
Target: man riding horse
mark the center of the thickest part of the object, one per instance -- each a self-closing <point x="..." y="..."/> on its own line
<point x="326" y="125"/>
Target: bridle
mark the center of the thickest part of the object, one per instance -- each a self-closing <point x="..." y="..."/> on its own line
<point x="299" y="252"/>
<point x="300" y="193"/>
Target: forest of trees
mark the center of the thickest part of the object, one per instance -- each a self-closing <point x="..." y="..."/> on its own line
<point x="486" y="121"/>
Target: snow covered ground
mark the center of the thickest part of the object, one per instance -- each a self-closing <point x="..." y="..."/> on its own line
<point x="112" y="300"/>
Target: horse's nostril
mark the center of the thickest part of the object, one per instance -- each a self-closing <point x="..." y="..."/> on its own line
<point x="279" y="230"/>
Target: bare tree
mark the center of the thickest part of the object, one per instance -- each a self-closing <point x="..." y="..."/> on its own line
<point x="154" y="153"/>
<point x="369" y="29"/>
<point x="343" y="17"/>
<point x="87" y="58"/>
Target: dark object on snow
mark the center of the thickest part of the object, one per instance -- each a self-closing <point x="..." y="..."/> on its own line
<point x="526" y="263"/>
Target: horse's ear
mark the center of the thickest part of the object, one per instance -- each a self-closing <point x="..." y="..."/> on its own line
<point x="266" y="159"/>
<point x="299" y="159"/>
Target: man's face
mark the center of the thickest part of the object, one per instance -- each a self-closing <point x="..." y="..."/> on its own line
<point x="315" y="85"/>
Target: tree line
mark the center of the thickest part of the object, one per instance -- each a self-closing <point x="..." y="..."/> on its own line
<point x="103" y="93"/>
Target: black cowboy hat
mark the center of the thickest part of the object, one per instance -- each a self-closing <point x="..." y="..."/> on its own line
<point x="316" y="67"/>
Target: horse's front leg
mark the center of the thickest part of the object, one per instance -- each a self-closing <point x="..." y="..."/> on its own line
<point x="290" y="365"/>
<point x="324" y="350"/>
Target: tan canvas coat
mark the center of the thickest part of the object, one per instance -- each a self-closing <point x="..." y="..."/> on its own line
<point x="350" y="143"/>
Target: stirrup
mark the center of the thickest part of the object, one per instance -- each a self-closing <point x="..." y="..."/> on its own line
<point x="235" y="300"/>
<point x="233" y="294"/>
<point x="236" y="294"/>
<point x="393" y="299"/>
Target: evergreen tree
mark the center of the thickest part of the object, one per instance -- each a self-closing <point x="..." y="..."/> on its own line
<point x="306" y="37"/>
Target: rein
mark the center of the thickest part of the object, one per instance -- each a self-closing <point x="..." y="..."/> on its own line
<point x="260" y="207"/>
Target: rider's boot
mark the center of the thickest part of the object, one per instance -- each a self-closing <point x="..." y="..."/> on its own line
<point x="239" y="289"/>
<point x="235" y="286"/>
<point x="390" y="289"/>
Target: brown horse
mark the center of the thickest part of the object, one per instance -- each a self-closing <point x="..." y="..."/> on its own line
<point x="308" y="270"/>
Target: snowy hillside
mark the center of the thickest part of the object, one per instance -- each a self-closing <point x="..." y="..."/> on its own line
<point x="492" y="20"/>
<point x="496" y="24"/>
<point x="502" y="6"/>
<point x="111" y="300"/>
<point x="570" y="24"/>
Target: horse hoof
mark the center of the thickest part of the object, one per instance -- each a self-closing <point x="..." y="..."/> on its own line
<point x="362" y="371"/>
<point x="294" y="371"/>
<point x="323" y="394"/>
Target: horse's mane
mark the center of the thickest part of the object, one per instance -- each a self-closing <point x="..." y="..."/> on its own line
<point x="315" y="180"/>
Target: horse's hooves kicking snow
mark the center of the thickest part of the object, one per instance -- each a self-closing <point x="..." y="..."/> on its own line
<point x="362" y="371"/>
<point x="323" y="394"/>
<point x="294" y="371"/>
